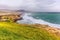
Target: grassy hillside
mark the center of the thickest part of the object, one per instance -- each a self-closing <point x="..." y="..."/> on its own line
<point x="14" y="31"/>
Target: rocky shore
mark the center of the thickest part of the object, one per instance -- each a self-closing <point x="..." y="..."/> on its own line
<point x="10" y="16"/>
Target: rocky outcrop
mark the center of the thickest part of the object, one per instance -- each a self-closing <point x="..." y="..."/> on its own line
<point x="10" y="16"/>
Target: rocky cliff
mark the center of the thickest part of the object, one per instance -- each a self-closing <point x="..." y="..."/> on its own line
<point x="10" y="16"/>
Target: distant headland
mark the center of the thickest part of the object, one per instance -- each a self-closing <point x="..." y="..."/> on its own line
<point x="10" y="16"/>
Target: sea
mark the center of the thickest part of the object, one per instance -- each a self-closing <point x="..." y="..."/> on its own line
<point x="48" y="18"/>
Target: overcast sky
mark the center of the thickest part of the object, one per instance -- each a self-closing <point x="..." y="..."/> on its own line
<point x="31" y="5"/>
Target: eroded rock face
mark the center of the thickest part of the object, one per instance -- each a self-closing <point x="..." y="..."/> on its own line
<point x="10" y="16"/>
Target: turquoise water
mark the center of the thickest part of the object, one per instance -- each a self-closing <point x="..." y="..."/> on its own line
<point x="52" y="17"/>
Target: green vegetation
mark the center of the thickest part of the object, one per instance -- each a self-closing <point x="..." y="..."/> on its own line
<point x="14" y="31"/>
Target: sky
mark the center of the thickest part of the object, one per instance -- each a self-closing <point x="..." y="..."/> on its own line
<point x="31" y="5"/>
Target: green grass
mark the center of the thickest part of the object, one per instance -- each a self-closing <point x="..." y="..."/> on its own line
<point x="14" y="31"/>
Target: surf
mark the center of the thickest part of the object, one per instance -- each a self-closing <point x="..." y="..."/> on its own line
<point x="28" y="19"/>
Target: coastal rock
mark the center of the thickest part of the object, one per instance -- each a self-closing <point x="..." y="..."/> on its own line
<point x="10" y="16"/>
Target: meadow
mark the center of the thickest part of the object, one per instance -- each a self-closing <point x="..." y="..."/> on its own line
<point x="15" y="31"/>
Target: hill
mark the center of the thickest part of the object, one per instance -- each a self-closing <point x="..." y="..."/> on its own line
<point x="15" y="31"/>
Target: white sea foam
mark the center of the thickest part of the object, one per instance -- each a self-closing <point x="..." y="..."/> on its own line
<point x="29" y="20"/>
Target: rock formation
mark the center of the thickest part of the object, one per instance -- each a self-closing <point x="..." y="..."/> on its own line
<point x="10" y="16"/>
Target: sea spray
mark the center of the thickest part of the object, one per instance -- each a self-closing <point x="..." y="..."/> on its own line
<point x="28" y="19"/>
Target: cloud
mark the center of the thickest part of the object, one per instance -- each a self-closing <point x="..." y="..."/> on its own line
<point x="31" y="5"/>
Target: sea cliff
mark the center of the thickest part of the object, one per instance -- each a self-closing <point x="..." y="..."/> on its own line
<point x="10" y="30"/>
<point x="10" y="16"/>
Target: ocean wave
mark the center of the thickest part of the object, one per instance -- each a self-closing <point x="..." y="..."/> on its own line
<point x="30" y="20"/>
